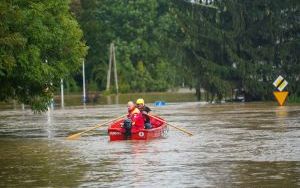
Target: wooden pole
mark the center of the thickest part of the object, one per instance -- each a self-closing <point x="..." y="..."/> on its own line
<point x="115" y="68"/>
<point x="109" y="68"/>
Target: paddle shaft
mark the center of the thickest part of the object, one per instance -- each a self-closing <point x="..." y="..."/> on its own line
<point x="190" y="134"/>
<point x="97" y="126"/>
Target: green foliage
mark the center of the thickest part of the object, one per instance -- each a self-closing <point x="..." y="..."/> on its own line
<point x="241" y="44"/>
<point x="294" y="99"/>
<point x="143" y="79"/>
<point x="92" y="86"/>
<point x="70" y="85"/>
<point x="139" y="30"/>
<point x="219" y="47"/>
<point x="40" y="43"/>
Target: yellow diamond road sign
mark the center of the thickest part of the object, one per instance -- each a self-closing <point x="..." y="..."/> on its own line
<point x="280" y="83"/>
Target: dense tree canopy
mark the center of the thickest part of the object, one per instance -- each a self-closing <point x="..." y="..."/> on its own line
<point x="40" y="43"/>
<point x="241" y="44"/>
<point x="219" y="46"/>
<point x="140" y="31"/>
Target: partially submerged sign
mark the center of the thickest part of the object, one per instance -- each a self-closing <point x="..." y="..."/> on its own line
<point x="281" y="97"/>
<point x="280" y="83"/>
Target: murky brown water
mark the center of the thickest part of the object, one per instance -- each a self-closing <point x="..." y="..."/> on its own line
<point x="234" y="145"/>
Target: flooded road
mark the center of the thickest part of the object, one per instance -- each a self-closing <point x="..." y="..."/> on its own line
<point x="234" y="145"/>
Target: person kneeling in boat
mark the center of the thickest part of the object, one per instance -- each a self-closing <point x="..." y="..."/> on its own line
<point x="134" y="121"/>
<point x="145" y="110"/>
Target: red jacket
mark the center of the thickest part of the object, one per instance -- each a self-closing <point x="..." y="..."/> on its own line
<point x="137" y="120"/>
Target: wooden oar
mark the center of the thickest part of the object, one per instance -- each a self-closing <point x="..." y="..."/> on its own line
<point x="185" y="131"/>
<point x="75" y="136"/>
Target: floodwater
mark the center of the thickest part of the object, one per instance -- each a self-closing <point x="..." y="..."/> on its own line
<point x="234" y="145"/>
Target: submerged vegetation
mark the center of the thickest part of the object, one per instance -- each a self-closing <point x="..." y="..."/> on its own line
<point x="220" y="47"/>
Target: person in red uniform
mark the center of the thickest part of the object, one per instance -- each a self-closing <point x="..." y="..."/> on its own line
<point x="145" y="110"/>
<point x="134" y="121"/>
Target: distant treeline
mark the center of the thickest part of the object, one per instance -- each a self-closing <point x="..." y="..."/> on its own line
<point x="238" y="44"/>
<point x="142" y="32"/>
<point x="220" y="46"/>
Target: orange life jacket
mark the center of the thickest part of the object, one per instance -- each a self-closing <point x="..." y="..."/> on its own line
<point x="133" y="112"/>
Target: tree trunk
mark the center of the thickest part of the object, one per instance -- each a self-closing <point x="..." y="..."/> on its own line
<point x="206" y="96"/>
<point x="198" y="93"/>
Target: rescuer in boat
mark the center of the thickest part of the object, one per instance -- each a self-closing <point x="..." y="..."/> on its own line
<point x="134" y="121"/>
<point x="145" y="110"/>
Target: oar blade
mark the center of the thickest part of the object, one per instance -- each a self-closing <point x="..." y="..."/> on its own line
<point x="77" y="135"/>
<point x="187" y="132"/>
<point x="74" y="136"/>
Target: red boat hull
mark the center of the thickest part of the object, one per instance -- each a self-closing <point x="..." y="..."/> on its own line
<point x="159" y="130"/>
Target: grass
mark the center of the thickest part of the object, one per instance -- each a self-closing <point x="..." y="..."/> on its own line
<point x="294" y="99"/>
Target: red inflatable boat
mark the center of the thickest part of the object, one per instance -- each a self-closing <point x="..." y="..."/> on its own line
<point x="159" y="130"/>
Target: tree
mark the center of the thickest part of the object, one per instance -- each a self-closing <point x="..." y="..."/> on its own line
<point x="139" y="30"/>
<point x="203" y="48"/>
<point x="258" y="51"/>
<point x="40" y="43"/>
<point x="240" y="44"/>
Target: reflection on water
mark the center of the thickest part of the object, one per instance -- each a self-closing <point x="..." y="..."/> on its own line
<point x="281" y="112"/>
<point x="234" y="145"/>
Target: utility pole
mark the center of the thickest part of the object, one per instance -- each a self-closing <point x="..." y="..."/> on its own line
<point x="115" y="69"/>
<point x="112" y="62"/>
<point x="62" y="93"/>
<point x="83" y="82"/>
<point x="109" y="69"/>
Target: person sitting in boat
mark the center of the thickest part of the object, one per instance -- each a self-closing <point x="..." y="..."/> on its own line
<point x="145" y="110"/>
<point x="132" y="110"/>
<point x="134" y="121"/>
